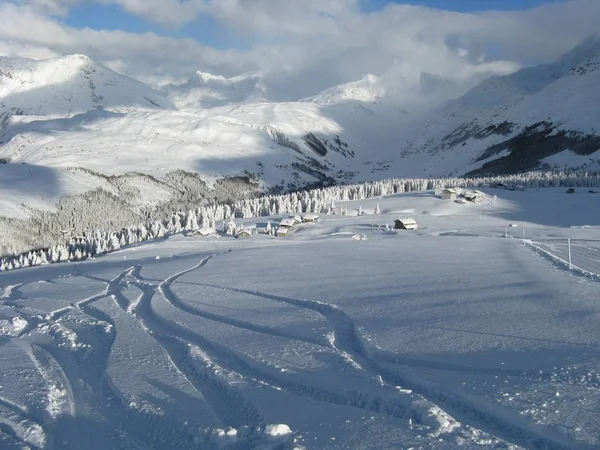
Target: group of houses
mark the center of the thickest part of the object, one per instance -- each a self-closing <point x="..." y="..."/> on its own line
<point x="288" y="225"/>
<point x="460" y="196"/>
<point x="284" y="227"/>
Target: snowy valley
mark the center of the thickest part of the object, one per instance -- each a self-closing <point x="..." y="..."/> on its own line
<point x="342" y="334"/>
<point x="222" y="264"/>
<point x="63" y="114"/>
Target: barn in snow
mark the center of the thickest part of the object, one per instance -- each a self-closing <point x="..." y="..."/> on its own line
<point x="405" y="223"/>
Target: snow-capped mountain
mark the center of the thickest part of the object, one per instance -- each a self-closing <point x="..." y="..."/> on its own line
<point x="365" y="90"/>
<point x="513" y="123"/>
<point x="227" y="127"/>
<point x="205" y="90"/>
<point x="70" y="85"/>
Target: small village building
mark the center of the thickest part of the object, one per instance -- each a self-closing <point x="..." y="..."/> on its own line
<point x="282" y="231"/>
<point x="288" y="223"/>
<point x="405" y="223"/>
<point x="310" y="218"/>
<point x="203" y="232"/>
<point x="244" y="233"/>
<point x="474" y="196"/>
<point x="450" y="193"/>
<point x="297" y="219"/>
<point x="571" y="191"/>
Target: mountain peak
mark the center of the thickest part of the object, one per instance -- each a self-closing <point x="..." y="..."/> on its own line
<point x="208" y="77"/>
<point x="69" y="85"/>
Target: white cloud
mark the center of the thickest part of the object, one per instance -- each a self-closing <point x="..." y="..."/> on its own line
<point x="303" y="46"/>
<point x="51" y="7"/>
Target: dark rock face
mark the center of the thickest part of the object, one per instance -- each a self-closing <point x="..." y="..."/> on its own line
<point x="472" y="130"/>
<point x="315" y="144"/>
<point x="532" y="144"/>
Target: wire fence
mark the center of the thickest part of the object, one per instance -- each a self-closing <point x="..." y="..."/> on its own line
<point x="580" y="254"/>
<point x="576" y="254"/>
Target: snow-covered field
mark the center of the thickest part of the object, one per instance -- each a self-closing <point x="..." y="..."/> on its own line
<point x="340" y="335"/>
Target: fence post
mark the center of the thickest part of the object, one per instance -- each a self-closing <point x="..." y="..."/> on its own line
<point x="505" y="232"/>
<point x="570" y="263"/>
<point x="523" y="236"/>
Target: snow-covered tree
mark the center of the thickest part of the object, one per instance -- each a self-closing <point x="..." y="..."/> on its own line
<point x="231" y="228"/>
<point x="191" y="223"/>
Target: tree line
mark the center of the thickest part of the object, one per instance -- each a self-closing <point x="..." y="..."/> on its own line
<point x="91" y="244"/>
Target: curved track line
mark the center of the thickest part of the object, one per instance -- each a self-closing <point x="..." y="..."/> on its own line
<point x="202" y="375"/>
<point x="111" y="285"/>
<point x="495" y="419"/>
<point x="580" y="379"/>
<point x="396" y="407"/>
<point x="165" y="289"/>
<point x="21" y="426"/>
<point x="60" y="396"/>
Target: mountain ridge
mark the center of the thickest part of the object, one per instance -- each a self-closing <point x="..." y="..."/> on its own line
<point x="69" y="85"/>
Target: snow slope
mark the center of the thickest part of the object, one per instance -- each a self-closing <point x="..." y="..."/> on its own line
<point x="366" y="90"/>
<point x="70" y="85"/>
<point x="448" y="337"/>
<point x="509" y="112"/>
<point x="291" y="144"/>
<point x="370" y="129"/>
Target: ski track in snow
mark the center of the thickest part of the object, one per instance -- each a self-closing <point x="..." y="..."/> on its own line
<point x="347" y="340"/>
<point x="211" y="368"/>
<point x="180" y="343"/>
<point x="18" y="423"/>
<point x="495" y="420"/>
<point x="75" y="374"/>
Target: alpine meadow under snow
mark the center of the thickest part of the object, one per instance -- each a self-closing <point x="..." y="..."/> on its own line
<point x="407" y="259"/>
<point x="342" y="334"/>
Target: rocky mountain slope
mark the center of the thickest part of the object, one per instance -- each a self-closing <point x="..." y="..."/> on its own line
<point x="519" y="122"/>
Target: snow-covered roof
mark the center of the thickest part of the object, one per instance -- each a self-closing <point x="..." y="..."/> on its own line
<point x="204" y="232"/>
<point x="475" y="194"/>
<point x="245" y="231"/>
<point x="407" y="221"/>
<point x="453" y="190"/>
<point x="311" y="216"/>
<point x="287" y="223"/>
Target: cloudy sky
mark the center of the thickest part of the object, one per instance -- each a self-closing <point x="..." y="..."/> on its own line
<point x="300" y="46"/>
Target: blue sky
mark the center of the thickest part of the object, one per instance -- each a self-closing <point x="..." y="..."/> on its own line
<point x="209" y="31"/>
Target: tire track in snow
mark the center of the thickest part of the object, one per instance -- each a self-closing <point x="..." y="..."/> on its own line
<point x="495" y="419"/>
<point x="191" y="360"/>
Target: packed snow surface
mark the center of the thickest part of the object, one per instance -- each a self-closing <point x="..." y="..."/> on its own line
<point x="450" y="336"/>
